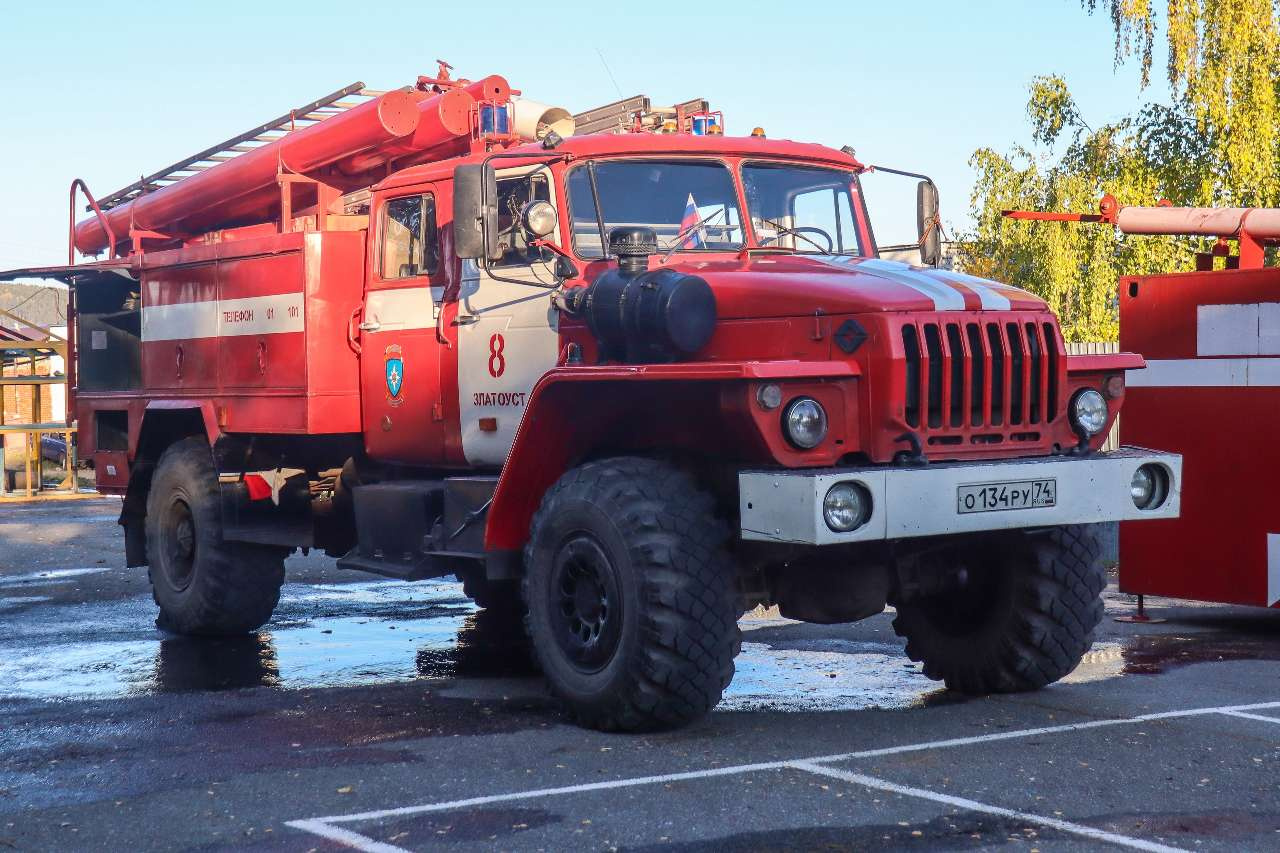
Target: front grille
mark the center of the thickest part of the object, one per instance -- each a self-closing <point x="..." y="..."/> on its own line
<point x="963" y="375"/>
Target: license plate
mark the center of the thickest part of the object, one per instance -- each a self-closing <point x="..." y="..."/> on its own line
<point x="1016" y="494"/>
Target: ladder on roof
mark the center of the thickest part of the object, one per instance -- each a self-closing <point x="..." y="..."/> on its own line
<point x="618" y="117"/>
<point x="621" y="116"/>
<point x="335" y="103"/>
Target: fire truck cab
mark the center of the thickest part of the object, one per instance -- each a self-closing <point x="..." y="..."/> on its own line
<point x="623" y="385"/>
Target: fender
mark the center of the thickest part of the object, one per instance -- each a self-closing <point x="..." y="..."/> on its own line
<point x="575" y="412"/>
<point x="163" y="421"/>
<point x="1110" y="362"/>
<point x="206" y="409"/>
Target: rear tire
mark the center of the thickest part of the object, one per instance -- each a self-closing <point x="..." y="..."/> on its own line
<point x="1024" y="620"/>
<point x="203" y="584"/>
<point x="630" y="589"/>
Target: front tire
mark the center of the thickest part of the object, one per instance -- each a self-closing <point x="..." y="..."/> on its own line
<point x="203" y="584"/>
<point x="1024" y="619"/>
<point x="630" y="592"/>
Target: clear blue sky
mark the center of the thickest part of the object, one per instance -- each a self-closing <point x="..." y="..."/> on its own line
<point x="108" y="91"/>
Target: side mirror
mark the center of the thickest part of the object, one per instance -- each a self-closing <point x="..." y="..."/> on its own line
<point x="475" y="212"/>
<point x="927" y="225"/>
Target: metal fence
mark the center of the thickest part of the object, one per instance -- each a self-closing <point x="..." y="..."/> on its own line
<point x="1099" y="348"/>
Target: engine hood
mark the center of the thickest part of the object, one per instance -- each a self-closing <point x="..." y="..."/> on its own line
<point x="798" y="285"/>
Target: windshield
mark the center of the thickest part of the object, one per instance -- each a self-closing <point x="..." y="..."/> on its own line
<point x="669" y="197"/>
<point x="802" y="208"/>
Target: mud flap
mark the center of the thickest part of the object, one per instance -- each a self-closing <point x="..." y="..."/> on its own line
<point x="397" y="526"/>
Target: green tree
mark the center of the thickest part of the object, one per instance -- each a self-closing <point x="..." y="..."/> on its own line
<point x="1218" y="143"/>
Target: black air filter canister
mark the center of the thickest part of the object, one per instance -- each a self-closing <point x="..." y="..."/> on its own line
<point x="657" y="316"/>
<point x="671" y="315"/>
<point x="642" y="316"/>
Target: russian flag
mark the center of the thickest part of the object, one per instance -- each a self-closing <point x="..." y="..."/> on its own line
<point x="693" y="240"/>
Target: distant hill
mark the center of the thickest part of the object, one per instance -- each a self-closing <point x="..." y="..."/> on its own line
<point x="39" y="305"/>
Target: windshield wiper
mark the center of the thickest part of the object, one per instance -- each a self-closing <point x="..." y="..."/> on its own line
<point x="683" y="235"/>
<point x="794" y="233"/>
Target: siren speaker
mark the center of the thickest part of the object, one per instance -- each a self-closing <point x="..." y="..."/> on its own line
<point x="533" y="120"/>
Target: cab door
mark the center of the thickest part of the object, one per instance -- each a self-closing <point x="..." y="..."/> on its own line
<point x="400" y="358"/>
<point x="508" y="334"/>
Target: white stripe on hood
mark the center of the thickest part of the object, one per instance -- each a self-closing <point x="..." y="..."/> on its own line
<point x="943" y="296"/>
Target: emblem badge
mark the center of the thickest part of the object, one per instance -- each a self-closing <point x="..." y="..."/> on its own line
<point x="395" y="374"/>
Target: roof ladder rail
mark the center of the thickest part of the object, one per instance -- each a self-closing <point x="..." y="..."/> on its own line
<point x="335" y="103"/>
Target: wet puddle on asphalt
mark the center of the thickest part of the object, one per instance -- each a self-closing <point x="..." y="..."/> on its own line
<point x="825" y="675"/>
<point x="323" y="635"/>
<point x="52" y="577"/>
<point x="351" y="634"/>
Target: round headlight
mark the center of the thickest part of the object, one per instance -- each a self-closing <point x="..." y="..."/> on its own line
<point x="805" y="423"/>
<point x="540" y="218"/>
<point x="846" y="507"/>
<point x="1142" y="488"/>
<point x="1088" y="413"/>
<point x="1149" y="487"/>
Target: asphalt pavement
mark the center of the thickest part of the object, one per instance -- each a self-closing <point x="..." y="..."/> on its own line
<point x="384" y="716"/>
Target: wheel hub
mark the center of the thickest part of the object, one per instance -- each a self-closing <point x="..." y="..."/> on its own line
<point x="179" y="544"/>
<point x="585" y="603"/>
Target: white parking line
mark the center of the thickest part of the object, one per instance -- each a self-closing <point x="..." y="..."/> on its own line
<point x="1046" y="730"/>
<point x="368" y="845"/>
<point x="354" y="840"/>
<point x="1245" y="716"/>
<point x="985" y="808"/>
<point x="451" y="805"/>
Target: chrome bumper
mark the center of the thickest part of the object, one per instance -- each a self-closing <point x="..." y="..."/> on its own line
<point x="786" y="506"/>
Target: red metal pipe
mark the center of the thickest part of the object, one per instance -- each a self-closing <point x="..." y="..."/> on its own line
<point x="97" y="212"/>
<point x="1050" y="216"/>
<point x="224" y="192"/>
<point x="492" y="88"/>
<point x="1259" y="222"/>
<point x="442" y="118"/>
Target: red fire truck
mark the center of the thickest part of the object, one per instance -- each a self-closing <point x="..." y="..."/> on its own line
<point x="623" y="385"/>
<point x="1213" y="336"/>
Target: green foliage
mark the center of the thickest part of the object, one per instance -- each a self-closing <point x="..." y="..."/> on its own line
<point x="1224" y="59"/>
<point x="1217" y="144"/>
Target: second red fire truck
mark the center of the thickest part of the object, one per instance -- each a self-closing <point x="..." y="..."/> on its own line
<point x="623" y="385"/>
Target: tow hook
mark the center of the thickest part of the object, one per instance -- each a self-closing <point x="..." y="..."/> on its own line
<point x="915" y="456"/>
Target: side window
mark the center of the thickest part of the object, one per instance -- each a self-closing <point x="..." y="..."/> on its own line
<point x="828" y="210"/>
<point x="582" y="209"/>
<point x="513" y="195"/>
<point x="410" y="244"/>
